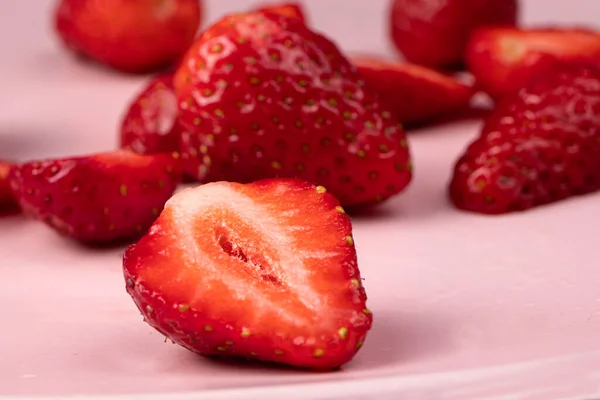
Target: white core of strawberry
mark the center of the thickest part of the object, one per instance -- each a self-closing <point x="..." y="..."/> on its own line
<point x="190" y="204"/>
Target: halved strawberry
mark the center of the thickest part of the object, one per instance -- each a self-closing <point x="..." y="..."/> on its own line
<point x="416" y="94"/>
<point x="97" y="198"/>
<point x="265" y="271"/>
<point x="150" y="124"/>
<point x="503" y="60"/>
<point x="539" y="146"/>
<point x="7" y="200"/>
<point x="263" y="96"/>
<point x="132" y="36"/>
<point x="290" y="10"/>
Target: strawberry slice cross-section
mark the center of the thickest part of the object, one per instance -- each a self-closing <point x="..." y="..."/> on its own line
<point x="264" y="271"/>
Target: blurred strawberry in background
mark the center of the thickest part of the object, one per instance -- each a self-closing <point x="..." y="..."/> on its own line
<point x="503" y="60"/>
<point x="290" y="10"/>
<point x="435" y="32"/>
<point x="416" y="94"/>
<point x="129" y="35"/>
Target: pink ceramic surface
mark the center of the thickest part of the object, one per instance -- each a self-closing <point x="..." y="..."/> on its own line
<point x="466" y="307"/>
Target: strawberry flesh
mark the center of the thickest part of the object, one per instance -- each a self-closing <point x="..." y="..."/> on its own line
<point x="503" y="60"/>
<point x="264" y="271"/>
<point x="131" y="36"/>
<point x="539" y="146"/>
<point x="263" y="96"/>
<point x="150" y="124"/>
<point x="435" y="33"/>
<point x="99" y="198"/>
<point x="416" y="94"/>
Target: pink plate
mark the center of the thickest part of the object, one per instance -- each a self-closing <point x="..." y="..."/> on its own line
<point x="466" y="307"/>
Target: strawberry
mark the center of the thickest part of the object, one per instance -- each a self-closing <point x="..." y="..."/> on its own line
<point x="99" y="198"/>
<point x="539" y="146"/>
<point x="290" y="10"/>
<point x="150" y="124"/>
<point x="416" y="94"/>
<point x="503" y="60"/>
<point x="7" y="200"/>
<point x="264" y="271"/>
<point x="263" y="96"/>
<point x="435" y="33"/>
<point x="129" y="35"/>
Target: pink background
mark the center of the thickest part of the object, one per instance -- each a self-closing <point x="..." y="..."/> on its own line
<point x="466" y="307"/>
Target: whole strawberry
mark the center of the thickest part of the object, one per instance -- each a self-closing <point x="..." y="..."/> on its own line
<point x="129" y="35"/>
<point x="539" y="146"/>
<point x="98" y="198"/>
<point x="265" y="271"/>
<point x="150" y="124"/>
<point x="263" y="96"/>
<point x="435" y="33"/>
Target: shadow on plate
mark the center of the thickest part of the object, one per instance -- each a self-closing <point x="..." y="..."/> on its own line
<point x="401" y="339"/>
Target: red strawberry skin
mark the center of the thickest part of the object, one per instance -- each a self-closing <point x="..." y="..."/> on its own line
<point x="435" y="33"/>
<point x="264" y="271"/>
<point x="263" y="96"/>
<point x="290" y="10"/>
<point x="539" y="146"/>
<point x="7" y="200"/>
<point x="129" y="35"/>
<point x="150" y="124"/>
<point x="503" y="60"/>
<point x="99" y="198"/>
<point x="416" y="94"/>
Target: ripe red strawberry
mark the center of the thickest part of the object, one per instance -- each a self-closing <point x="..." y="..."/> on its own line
<point x="99" y="198"/>
<point x="7" y="200"/>
<point x="150" y="124"/>
<point x="265" y="271"/>
<point x="416" y="94"/>
<point x="435" y="33"/>
<point x="290" y="10"/>
<point x="539" y="146"/>
<point x="129" y="35"/>
<point x="503" y="60"/>
<point x="263" y="96"/>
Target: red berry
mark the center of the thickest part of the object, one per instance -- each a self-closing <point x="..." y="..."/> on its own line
<point x="150" y="124"/>
<point x="263" y="96"/>
<point x="503" y="60"/>
<point x="435" y="33"/>
<point x="7" y="200"/>
<point x="290" y="10"/>
<point x="539" y="146"/>
<point x="416" y="94"/>
<point x="98" y="198"/>
<point x="129" y="35"/>
<point x="264" y="271"/>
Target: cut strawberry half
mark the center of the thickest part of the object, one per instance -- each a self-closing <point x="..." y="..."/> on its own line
<point x="264" y="271"/>
<point x="417" y="94"/>
<point x="7" y="199"/>
<point x="290" y="10"/>
<point x="97" y="198"/>
<point x="504" y="60"/>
